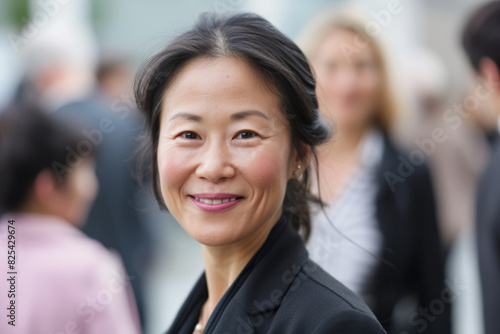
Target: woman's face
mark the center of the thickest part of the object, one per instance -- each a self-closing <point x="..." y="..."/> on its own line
<point x="224" y="151"/>
<point x="348" y="78"/>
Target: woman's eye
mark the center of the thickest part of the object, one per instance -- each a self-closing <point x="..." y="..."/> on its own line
<point x="189" y="135"/>
<point x="246" y="135"/>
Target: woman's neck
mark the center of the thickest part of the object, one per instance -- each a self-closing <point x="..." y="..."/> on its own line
<point x="223" y="264"/>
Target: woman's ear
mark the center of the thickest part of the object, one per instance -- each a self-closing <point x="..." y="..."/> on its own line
<point x="300" y="160"/>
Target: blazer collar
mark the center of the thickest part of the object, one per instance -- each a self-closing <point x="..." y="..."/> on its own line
<point x="273" y="271"/>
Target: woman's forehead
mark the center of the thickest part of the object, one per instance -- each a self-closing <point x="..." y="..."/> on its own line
<point x="227" y="83"/>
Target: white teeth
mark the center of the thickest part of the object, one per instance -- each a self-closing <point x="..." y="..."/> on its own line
<point x="215" y="201"/>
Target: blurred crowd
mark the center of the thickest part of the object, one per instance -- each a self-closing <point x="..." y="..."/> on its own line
<point x="412" y="222"/>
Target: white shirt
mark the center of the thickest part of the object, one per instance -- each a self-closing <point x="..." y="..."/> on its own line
<point x="346" y="240"/>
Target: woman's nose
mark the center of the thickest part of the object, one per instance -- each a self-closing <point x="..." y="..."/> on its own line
<point x="215" y="163"/>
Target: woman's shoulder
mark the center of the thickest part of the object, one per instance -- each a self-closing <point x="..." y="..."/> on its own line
<point x="349" y="322"/>
<point x="328" y="304"/>
<point x="328" y="291"/>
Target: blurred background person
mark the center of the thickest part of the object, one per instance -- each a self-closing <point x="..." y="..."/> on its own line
<point x="117" y="219"/>
<point x="456" y="161"/>
<point x="64" y="73"/>
<point x="51" y="78"/>
<point x="378" y="233"/>
<point x="481" y="41"/>
<point x="66" y="281"/>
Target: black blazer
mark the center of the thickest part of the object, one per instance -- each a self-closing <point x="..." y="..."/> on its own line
<point x="406" y="213"/>
<point x="280" y="291"/>
<point x="488" y="240"/>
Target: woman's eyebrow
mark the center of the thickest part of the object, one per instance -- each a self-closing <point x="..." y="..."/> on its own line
<point x="246" y="113"/>
<point x="185" y="115"/>
<point x="236" y="116"/>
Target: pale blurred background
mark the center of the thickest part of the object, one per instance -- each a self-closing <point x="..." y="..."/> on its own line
<point x="423" y="40"/>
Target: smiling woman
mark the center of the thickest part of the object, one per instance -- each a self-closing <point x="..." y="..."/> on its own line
<point x="212" y="122"/>
<point x="233" y="124"/>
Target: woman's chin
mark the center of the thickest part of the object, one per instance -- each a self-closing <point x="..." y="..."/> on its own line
<point x="210" y="234"/>
<point x="215" y="240"/>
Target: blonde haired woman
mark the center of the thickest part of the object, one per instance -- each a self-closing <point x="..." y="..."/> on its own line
<point x="378" y="232"/>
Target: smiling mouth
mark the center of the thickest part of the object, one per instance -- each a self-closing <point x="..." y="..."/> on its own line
<point x="216" y="201"/>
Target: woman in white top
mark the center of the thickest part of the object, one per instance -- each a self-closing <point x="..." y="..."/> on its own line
<point x="379" y="215"/>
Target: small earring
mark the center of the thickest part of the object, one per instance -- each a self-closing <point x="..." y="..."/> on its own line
<point x="297" y="171"/>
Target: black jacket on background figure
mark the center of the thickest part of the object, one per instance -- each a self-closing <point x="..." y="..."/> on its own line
<point x="116" y="218"/>
<point x="412" y="249"/>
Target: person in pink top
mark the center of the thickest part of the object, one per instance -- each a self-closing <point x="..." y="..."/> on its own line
<point x="53" y="278"/>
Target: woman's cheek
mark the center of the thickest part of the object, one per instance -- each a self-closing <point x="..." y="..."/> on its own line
<point x="173" y="172"/>
<point x="264" y="168"/>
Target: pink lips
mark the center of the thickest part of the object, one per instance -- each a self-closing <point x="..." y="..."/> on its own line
<point x="226" y="201"/>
